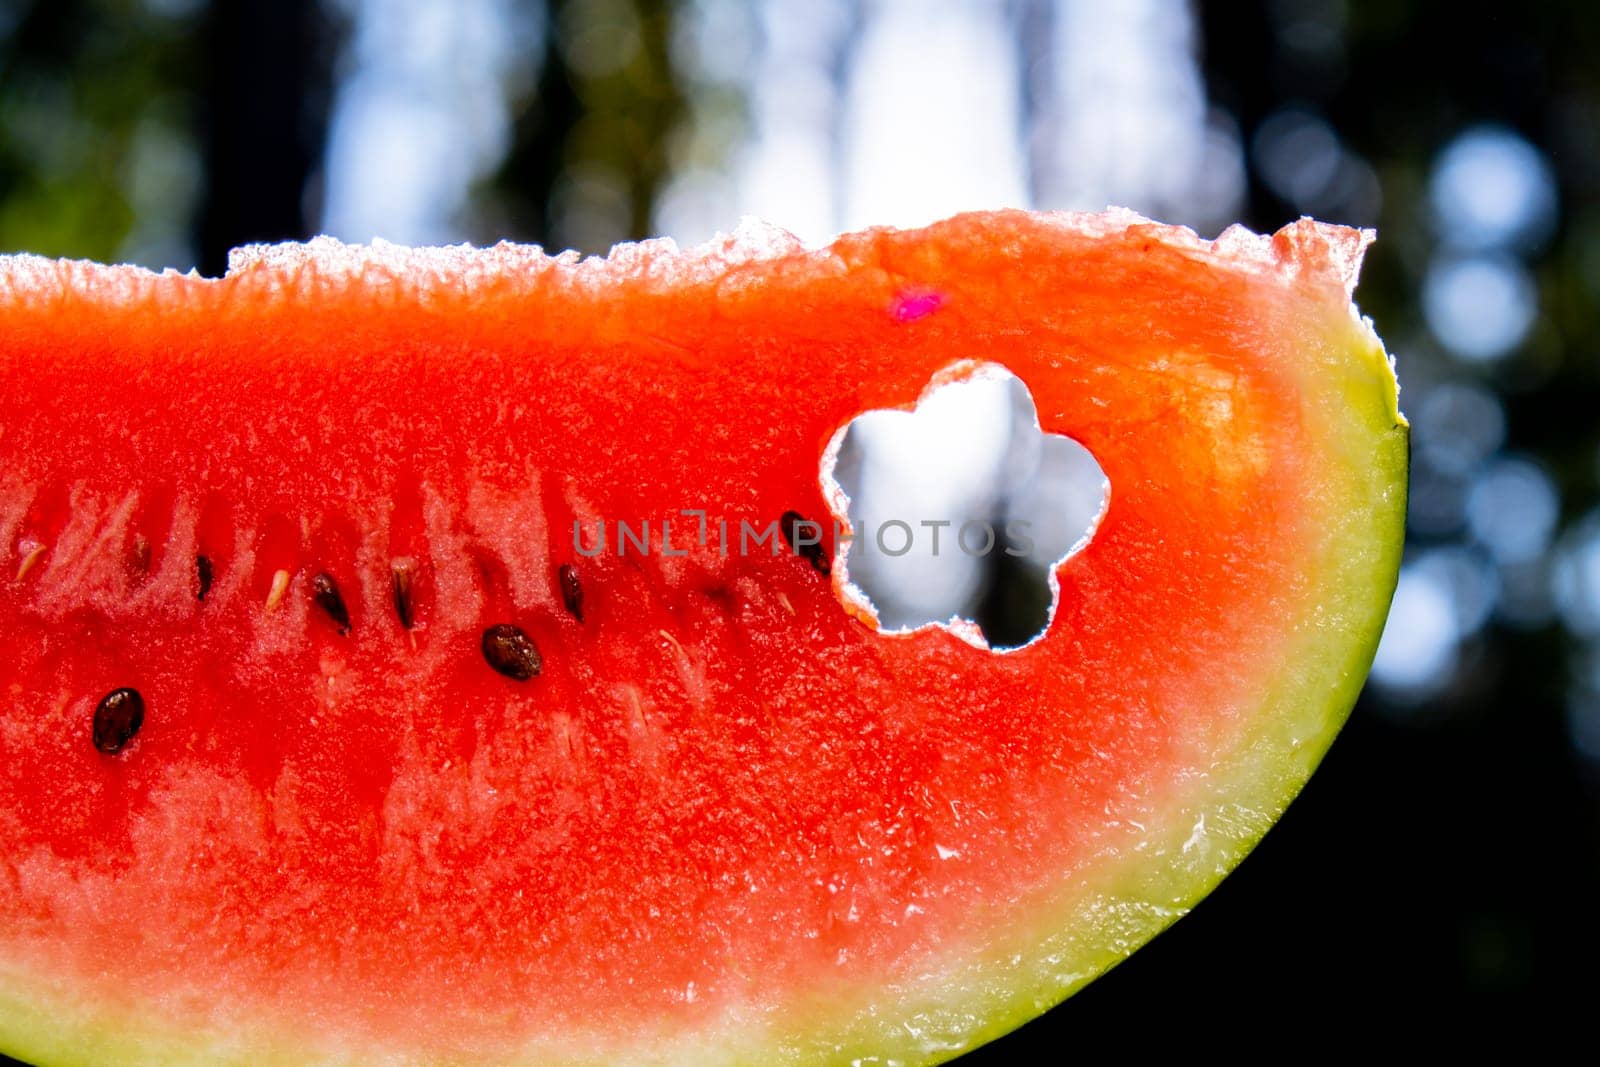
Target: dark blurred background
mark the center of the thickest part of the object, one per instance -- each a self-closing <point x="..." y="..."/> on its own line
<point x="1443" y="869"/>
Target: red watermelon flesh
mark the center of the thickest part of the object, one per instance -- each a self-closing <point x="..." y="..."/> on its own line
<point x="727" y="820"/>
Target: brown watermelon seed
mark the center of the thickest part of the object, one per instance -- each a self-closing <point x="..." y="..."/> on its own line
<point x="280" y="586"/>
<point x="32" y="553"/>
<point x="205" y="576"/>
<point x="511" y="652"/>
<point x="117" y="718"/>
<point x="571" y="590"/>
<point x="794" y="524"/>
<point x="401" y="573"/>
<point x="325" y="591"/>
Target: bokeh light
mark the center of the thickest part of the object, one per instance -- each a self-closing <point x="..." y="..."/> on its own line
<point x="1512" y="510"/>
<point x="1419" y="644"/>
<point x="1491" y="189"/>
<point x="1458" y="425"/>
<point x="1576" y="576"/>
<point x="1479" y="307"/>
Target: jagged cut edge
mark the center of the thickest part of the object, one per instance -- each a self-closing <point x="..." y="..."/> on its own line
<point x="1302" y="248"/>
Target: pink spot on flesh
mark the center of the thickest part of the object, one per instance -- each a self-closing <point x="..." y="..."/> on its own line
<point x="911" y="306"/>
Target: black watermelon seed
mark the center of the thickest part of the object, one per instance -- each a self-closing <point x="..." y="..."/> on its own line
<point x="117" y="718"/>
<point x="794" y="524"/>
<point x="325" y="591"/>
<point x="400" y="573"/>
<point x="571" y="590"/>
<point x="511" y="652"/>
<point x="202" y="568"/>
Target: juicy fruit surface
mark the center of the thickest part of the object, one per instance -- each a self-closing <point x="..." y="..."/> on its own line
<point x="726" y="819"/>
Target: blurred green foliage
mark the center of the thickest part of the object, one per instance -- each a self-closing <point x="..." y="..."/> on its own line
<point x="96" y="114"/>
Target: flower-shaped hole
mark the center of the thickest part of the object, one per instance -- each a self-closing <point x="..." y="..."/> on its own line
<point x="962" y="509"/>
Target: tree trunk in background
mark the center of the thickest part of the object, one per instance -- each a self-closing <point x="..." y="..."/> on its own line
<point x="265" y="121"/>
<point x="527" y="177"/>
<point x="589" y="146"/>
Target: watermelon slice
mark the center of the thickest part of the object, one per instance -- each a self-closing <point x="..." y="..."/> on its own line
<point x="324" y="742"/>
